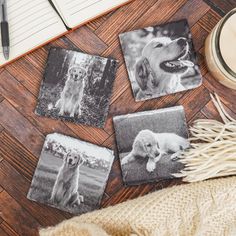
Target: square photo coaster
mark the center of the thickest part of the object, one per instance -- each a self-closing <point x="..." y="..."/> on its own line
<point x="71" y="175"/>
<point x="149" y="144"/>
<point x="76" y="87"/>
<point x="160" y="60"/>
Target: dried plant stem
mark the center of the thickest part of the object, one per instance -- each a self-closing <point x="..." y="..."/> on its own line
<point x="214" y="155"/>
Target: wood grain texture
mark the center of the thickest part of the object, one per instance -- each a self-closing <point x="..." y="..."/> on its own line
<point x="220" y="6"/>
<point x="22" y="133"/>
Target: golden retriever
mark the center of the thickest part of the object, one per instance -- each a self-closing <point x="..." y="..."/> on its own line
<point x="65" y="191"/>
<point x="152" y="146"/>
<point x="159" y="70"/>
<point x="72" y="94"/>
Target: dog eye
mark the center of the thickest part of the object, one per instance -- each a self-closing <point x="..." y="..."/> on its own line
<point x="149" y="145"/>
<point x="159" y="45"/>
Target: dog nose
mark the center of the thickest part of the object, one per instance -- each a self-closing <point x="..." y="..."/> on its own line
<point x="181" y="42"/>
<point x="70" y="161"/>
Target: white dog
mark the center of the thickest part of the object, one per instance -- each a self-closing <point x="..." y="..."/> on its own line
<point x="72" y="94"/>
<point x="65" y="191"/>
<point x="153" y="145"/>
<point x="163" y="63"/>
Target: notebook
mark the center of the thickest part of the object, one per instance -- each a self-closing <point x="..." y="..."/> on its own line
<point x="34" y="23"/>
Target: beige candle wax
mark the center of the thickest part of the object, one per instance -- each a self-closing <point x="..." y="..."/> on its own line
<point x="220" y="50"/>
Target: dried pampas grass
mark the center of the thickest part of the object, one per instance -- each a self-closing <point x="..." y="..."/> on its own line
<point x="214" y="153"/>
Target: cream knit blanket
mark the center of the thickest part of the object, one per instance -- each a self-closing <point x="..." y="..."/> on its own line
<point x="201" y="209"/>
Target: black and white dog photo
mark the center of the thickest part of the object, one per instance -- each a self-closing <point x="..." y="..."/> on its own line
<point x="71" y="174"/>
<point x="160" y="60"/>
<point x="149" y="144"/>
<point x="76" y="87"/>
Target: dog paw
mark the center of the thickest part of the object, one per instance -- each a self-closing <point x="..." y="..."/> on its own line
<point x="79" y="113"/>
<point x="174" y="157"/>
<point x="151" y="166"/>
<point x="76" y="204"/>
<point x="81" y="198"/>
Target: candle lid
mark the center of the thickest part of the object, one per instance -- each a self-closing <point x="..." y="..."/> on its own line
<point x="226" y="42"/>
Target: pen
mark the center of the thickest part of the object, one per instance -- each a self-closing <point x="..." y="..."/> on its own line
<point x="5" y="30"/>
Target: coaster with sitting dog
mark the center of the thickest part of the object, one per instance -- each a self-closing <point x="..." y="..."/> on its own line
<point x="71" y="175"/>
<point x="161" y="60"/>
<point x="76" y="87"/>
<point x="149" y="144"/>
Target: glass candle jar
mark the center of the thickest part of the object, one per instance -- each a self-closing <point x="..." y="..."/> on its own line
<point x="220" y="50"/>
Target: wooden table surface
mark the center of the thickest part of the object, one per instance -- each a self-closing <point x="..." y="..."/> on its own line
<point x="22" y="133"/>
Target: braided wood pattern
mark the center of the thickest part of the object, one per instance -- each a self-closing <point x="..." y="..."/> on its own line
<point x="22" y="133"/>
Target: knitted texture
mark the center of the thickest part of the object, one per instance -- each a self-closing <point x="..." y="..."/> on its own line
<point x="206" y="208"/>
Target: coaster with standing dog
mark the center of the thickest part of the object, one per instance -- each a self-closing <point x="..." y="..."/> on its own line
<point x="71" y="174"/>
<point x="76" y="87"/>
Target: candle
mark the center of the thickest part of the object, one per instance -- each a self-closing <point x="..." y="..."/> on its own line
<point x="220" y="50"/>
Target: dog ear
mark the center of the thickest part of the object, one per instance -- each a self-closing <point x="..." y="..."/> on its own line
<point x="70" y="69"/>
<point x="82" y="158"/>
<point x="67" y="155"/>
<point x="139" y="148"/>
<point x="81" y="161"/>
<point x="84" y="73"/>
<point x="142" y="72"/>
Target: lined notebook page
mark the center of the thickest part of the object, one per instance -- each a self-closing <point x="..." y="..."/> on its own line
<point x="76" y="12"/>
<point x="31" y="23"/>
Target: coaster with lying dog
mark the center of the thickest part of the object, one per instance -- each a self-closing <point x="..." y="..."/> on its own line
<point x="71" y="174"/>
<point x="151" y="142"/>
<point x="76" y="87"/>
<point x="160" y="60"/>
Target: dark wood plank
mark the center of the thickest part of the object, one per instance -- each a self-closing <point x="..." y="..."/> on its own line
<point x="1" y="128"/>
<point x="1" y="189"/>
<point x="28" y="75"/>
<point x="226" y="94"/>
<point x="7" y="229"/>
<point x="19" y="219"/>
<point x="90" y="134"/>
<point x="188" y="11"/>
<point x="115" y="180"/>
<point x="1" y="98"/>
<point x="87" y="41"/>
<point x="209" y="20"/>
<point x="25" y="103"/>
<point x="22" y="133"/>
<point x="222" y="6"/>
<point x="199" y="36"/>
<point x="194" y="101"/>
<point x="17" y="155"/>
<point x="21" y="128"/>
<point x="211" y="112"/>
<point x="3" y="233"/>
<point x="95" y="24"/>
<point x="18" y="190"/>
<point x="118" y="23"/>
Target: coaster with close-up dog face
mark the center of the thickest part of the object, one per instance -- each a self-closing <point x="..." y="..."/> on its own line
<point x="76" y="87"/>
<point x="160" y="60"/>
<point x="149" y="144"/>
<point x="71" y="174"/>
